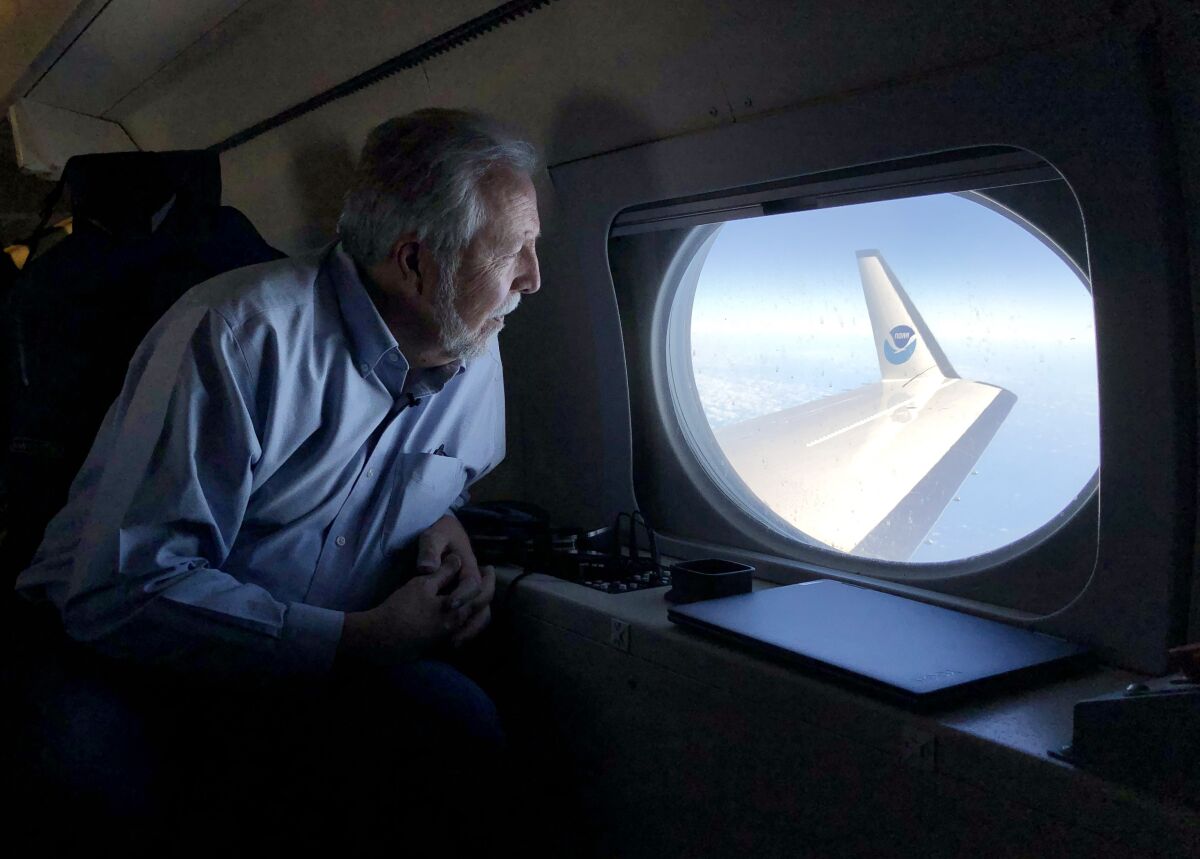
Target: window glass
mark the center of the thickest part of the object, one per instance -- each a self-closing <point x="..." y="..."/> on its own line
<point x="912" y="380"/>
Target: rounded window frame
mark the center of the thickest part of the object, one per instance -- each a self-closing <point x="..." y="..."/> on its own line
<point x="674" y="381"/>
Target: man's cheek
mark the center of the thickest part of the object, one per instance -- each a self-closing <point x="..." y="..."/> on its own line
<point x="471" y="301"/>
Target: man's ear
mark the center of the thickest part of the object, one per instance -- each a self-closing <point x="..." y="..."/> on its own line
<point x="406" y="269"/>
<point x="408" y="257"/>
<point x="414" y="264"/>
<point x="405" y="256"/>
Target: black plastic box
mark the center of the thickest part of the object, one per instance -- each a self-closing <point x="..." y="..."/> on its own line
<point x="708" y="578"/>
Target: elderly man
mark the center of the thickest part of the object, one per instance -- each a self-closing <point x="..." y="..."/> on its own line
<point x="289" y="430"/>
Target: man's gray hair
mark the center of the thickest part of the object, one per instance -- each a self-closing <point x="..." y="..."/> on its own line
<point x="421" y="173"/>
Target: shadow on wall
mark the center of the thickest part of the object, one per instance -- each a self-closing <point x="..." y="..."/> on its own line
<point x="565" y="378"/>
<point x="321" y="170"/>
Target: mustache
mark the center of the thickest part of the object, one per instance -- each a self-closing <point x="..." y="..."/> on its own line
<point x="509" y="305"/>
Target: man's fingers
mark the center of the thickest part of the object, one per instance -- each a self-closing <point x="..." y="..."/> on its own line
<point x="473" y="605"/>
<point x="445" y="571"/>
<point x="473" y="627"/>
<point x="430" y="547"/>
<point x="467" y="592"/>
<point x="470" y="585"/>
<point x="469" y="581"/>
<point x="487" y="590"/>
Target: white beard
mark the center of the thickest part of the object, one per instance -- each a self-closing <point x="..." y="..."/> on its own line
<point x="454" y="337"/>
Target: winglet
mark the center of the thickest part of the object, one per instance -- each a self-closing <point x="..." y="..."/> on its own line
<point x="904" y="344"/>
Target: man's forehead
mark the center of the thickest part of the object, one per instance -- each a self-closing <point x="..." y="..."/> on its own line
<point x="512" y="204"/>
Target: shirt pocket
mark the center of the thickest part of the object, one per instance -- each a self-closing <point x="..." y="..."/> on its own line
<point x="426" y="485"/>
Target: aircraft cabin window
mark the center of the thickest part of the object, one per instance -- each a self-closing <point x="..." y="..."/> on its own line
<point x="908" y="380"/>
<point x="895" y="365"/>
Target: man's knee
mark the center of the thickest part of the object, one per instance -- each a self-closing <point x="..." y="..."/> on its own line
<point x="453" y="703"/>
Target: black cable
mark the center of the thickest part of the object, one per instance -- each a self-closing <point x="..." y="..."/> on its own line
<point x="508" y="592"/>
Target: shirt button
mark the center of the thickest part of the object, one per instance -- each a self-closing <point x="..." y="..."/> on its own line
<point x="364" y="368"/>
<point x="370" y="472"/>
<point x="393" y="358"/>
<point x="341" y="541"/>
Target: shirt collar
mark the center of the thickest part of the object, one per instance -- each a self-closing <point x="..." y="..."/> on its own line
<point x="429" y="381"/>
<point x="368" y="335"/>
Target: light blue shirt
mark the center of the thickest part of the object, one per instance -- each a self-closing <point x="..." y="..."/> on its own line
<point x="266" y="460"/>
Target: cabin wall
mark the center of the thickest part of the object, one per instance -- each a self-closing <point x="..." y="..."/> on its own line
<point x="664" y="764"/>
<point x="1181" y="72"/>
<point x="580" y="78"/>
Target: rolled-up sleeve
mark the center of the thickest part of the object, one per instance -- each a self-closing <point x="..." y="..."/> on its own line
<point x="140" y="571"/>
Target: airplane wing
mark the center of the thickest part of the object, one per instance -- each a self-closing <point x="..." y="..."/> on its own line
<point x="870" y="471"/>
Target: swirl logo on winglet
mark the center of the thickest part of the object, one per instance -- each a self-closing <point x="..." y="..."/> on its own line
<point x="900" y="344"/>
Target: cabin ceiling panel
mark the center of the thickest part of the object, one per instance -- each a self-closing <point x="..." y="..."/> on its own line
<point x="272" y="54"/>
<point x="774" y="53"/>
<point x="291" y="180"/>
<point x="127" y="43"/>
<point x="647" y="70"/>
<point x="27" y="29"/>
<point x="581" y="77"/>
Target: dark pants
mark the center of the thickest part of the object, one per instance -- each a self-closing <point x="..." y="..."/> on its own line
<point x="370" y="761"/>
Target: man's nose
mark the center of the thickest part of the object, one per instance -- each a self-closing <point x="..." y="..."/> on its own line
<point x="530" y="280"/>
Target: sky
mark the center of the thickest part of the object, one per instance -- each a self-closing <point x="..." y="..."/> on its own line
<point x="779" y="319"/>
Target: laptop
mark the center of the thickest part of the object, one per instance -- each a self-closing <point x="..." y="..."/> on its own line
<point x="921" y="655"/>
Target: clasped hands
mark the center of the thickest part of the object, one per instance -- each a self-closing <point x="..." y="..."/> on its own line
<point x="448" y="600"/>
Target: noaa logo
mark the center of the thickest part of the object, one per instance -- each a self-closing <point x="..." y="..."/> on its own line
<point x="900" y="345"/>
